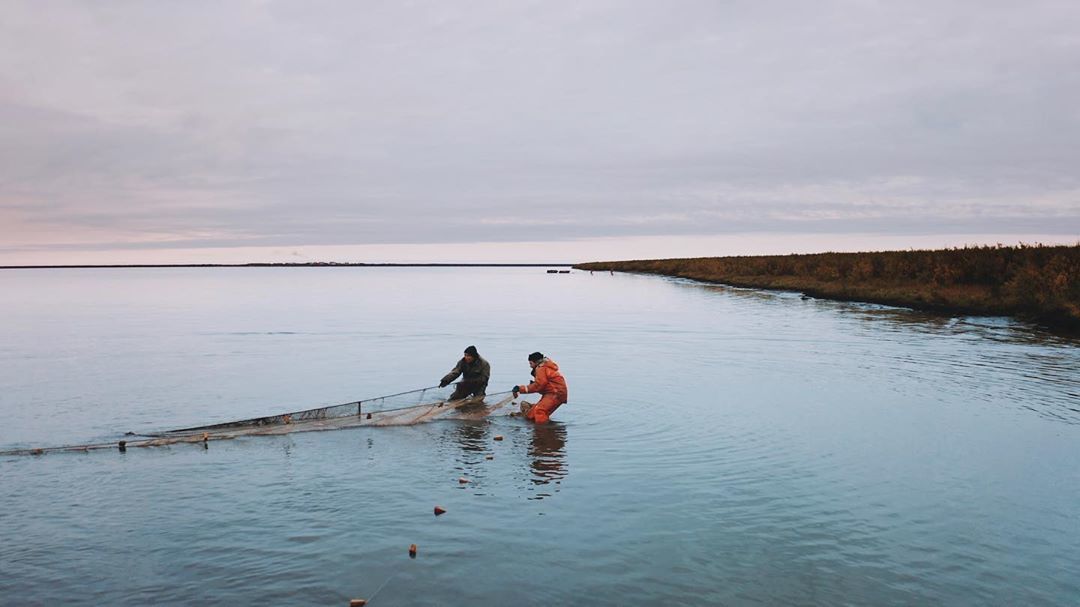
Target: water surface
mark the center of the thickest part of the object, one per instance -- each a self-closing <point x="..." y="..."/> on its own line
<point x="721" y="446"/>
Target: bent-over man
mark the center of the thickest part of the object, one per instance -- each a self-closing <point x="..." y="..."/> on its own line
<point x="475" y="372"/>
<point x="549" y="383"/>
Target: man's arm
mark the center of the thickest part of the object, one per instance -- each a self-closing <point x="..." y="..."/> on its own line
<point x="452" y="375"/>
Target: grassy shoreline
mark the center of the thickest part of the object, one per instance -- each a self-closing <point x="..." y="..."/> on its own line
<point x="1036" y="283"/>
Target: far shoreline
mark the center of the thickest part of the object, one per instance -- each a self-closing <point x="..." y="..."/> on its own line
<point x="1039" y="284"/>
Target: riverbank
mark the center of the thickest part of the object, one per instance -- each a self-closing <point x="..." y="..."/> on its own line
<point x="1036" y="283"/>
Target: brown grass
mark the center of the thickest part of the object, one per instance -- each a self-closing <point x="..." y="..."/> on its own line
<point x="1034" y="282"/>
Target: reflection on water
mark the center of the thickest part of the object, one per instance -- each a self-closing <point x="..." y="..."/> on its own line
<point x="901" y="319"/>
<point x="537" y="451"/>
<point x="547" y="450"/>
<point x="472" y="437"/>
<point x="1029" y="368"/>
<point x="469" y="441"/>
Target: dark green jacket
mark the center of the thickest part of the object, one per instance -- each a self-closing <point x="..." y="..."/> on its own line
<point x="477" y="373"/>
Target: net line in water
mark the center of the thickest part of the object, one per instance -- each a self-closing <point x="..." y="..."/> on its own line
<point x="401" y="409"/>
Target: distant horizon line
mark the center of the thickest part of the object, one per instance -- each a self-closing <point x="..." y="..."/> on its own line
<point x="318" y="264"/>
<point x="563" y="264"/>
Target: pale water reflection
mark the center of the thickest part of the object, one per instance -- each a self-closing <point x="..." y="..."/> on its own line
<point x="548" y="453"/>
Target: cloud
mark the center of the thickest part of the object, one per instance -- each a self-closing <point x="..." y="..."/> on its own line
<point x="288" y="124"/>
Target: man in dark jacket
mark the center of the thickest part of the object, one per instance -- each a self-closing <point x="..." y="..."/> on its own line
<point x="475" y="372"/>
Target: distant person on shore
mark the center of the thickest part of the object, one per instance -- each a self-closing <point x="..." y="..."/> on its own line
<point x="549" y="383"/>
<point x="475" y="372"/>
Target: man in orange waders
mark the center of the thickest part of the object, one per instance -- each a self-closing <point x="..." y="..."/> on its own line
<point x="549" y="383"/>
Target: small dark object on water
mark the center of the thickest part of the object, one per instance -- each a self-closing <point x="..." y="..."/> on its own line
<point x="357" y="603"/>
<point x="439" y="510"/>
<point x="369" y="416"/>
<point x="122" y="445"/>
<point x="489" y="457"/>
<point x="412" y="550"/>
<point x="463" y="480"/>
<point x="552" y="271"/>
<point x="564" y="271"/>
<point x="498" y="437"/>
<point x="37" y="452"/>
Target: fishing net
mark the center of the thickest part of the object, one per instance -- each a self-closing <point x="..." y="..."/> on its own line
<point x="402" y="409"/>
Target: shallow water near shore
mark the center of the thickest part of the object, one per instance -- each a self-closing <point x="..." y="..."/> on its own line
<point x="720" y="446"/>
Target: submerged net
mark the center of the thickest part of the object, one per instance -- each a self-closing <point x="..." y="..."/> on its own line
<point x="402" y="409"/>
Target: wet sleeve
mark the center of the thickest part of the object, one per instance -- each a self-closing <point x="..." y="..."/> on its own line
<point x="485" y="373"/>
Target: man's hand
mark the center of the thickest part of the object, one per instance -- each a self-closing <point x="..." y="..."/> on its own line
<point x="516" y="390"/>
<point x="443" y="383"/>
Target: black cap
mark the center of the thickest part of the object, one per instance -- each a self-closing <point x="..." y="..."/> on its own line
<point x="471" y="350"/>
<point x="536" y="357"/>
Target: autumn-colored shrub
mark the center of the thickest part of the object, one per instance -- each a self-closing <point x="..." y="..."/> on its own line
<point x="1032" y="281"/>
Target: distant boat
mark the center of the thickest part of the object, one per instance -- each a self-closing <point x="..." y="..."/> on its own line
<point x="553" y="271"/>
<point x="564" y="271"/>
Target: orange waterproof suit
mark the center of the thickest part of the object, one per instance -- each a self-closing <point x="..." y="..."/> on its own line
<point x="552" y="385"/>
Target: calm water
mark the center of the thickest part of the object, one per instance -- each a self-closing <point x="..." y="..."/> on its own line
<point x="721" y="446"/>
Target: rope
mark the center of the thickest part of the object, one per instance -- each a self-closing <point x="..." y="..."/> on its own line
<point x="374" y="594"/>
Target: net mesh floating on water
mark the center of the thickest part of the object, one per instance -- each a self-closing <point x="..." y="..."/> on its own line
<point x="402" y="409"/>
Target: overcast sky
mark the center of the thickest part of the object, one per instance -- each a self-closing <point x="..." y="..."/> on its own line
<point x="472" y="131"/>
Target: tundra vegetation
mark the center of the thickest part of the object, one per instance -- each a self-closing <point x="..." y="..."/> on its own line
<point x="1033" y="282"/>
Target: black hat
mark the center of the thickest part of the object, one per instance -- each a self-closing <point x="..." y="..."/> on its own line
<point x="536" y="357"/>
<point x="471" y="350"/>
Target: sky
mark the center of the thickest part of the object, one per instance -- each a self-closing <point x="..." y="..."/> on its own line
<point x="513" y="131"/>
